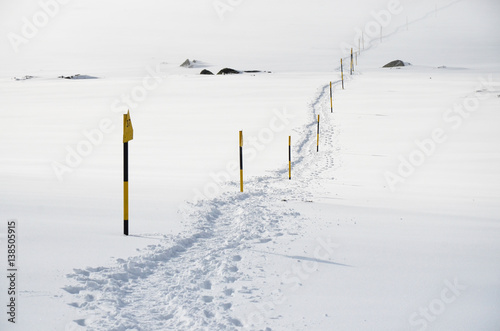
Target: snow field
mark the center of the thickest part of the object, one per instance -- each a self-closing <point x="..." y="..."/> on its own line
<point x="335" y="248"/>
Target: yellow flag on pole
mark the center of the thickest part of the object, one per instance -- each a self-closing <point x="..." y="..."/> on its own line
<point x="128" y="131"/>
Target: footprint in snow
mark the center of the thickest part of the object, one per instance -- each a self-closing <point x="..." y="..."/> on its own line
<point x="207" y="298"/>
<point x="166" y="317"/>
<point x="80" y="322"/>
<point x="226" y="306"/>
<point x="207" y="285"/>
<point x="229" y="279"/>
<point x="73" y="289"/>
<point x="235" y="322"/>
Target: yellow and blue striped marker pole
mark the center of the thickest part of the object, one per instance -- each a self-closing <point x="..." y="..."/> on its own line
<point x="317" y="140"/>
<point x="331" y="97"/>
<point x="289" y="157"/>
<point x="342" y="73"/>
<point x="128" y="134"/>
<point x="241" y="161"/>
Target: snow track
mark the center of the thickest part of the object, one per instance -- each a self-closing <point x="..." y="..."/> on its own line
<point x="190" y="282"/>
<point x="187" y="283"/>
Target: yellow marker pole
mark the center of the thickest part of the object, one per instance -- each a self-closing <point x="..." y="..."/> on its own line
<point x="241" y="161"/>
<point x="331" y="97"/>
<point x="359" y="46"/>
<point x="317" y="140"/>
<point x="125" y="189"/>
<point x="352" y="64"/>
<point x="342" y="73"/>
<point x="128" y="134"/>
<point x="290" y="157"/>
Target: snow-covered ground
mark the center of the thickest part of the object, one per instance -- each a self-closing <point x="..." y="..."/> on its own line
<point x="393" y="225"/>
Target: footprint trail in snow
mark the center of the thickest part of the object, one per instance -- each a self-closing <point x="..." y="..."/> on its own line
<point x="194" y="280"/>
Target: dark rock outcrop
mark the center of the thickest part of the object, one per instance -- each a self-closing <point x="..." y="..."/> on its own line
<point x="395" y="63"/>
<point x="78" y="76"/>
<point x="228" y="71"/>
<point x="187" y="64"/>
<point x="206" y="72"/>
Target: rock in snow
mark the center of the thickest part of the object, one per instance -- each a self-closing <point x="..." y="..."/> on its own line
<point x="206" y="72"/>
<point x="228" y="71"/>
<point x="396" y="63"/>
